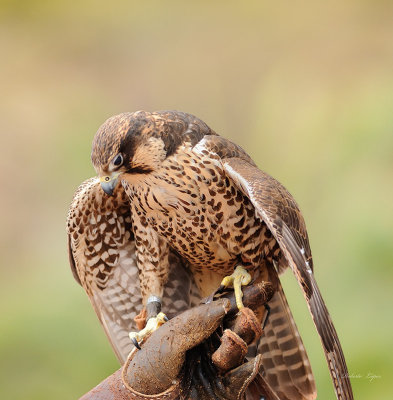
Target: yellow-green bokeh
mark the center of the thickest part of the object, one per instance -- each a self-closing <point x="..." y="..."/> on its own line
<point x="305" y="87"/>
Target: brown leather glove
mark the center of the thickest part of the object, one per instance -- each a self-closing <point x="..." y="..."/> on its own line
<point x="199" y="354"/>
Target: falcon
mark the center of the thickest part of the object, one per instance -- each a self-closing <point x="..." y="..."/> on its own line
<point x="175" y="212"/>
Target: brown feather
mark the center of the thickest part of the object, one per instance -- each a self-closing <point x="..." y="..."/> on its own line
<point x="199" y="195"/>
<point x="112" y="283"/>
<point x="284" y="358"/>
<point x="272" y="202"/>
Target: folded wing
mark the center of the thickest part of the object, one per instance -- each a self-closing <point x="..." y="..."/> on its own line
<point x="103" y="261"/>
<point x="277" y="208"/>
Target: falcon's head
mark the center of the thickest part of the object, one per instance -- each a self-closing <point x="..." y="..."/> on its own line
<point x="137" y="143"/>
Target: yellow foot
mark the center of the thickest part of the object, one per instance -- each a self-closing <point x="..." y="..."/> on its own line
<point x="151" y="325"/>
<point x="239" y="278"/>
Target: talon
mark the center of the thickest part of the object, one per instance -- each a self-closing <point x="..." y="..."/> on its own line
<point x="267" y="308"/>
<point x="136" y="344"/>
<point x="151" y="325"/>
<point x="210" y="298"/>
<point x="220" y="288"/>
<point x="239" y="278"/>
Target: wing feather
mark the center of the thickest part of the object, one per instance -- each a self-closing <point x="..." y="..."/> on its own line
<point x="276" y="207"/>
<point x="103" y="260"/>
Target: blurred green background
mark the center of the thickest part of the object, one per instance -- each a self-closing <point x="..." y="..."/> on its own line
<point x="305" y="87"/>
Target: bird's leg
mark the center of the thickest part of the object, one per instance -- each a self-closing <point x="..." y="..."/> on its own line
<point x="153" y="265"/>
<point x="155" y="318"/>
<point x="239" y="278"/>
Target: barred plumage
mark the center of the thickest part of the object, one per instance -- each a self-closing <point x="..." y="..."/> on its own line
<point x="98" y="225"/>
<point x="191" y="198"/>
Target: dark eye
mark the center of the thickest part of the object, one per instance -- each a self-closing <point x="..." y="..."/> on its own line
<point x="118" y="160"/>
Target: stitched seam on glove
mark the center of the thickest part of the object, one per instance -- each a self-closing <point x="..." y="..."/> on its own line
<point x="172" y="393"/>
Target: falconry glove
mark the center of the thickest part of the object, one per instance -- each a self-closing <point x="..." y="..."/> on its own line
<point x="199" y="354"/>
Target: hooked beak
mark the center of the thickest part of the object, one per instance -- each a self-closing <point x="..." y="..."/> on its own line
<point x="108" y="183"/>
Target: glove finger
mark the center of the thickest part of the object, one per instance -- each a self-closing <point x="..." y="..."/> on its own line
<point x="154" y="368"/>
<point x="246" y="378"/>
<point x="253" y="296"/>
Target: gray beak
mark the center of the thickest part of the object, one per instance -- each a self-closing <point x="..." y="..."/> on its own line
<point x="108" y="184"/>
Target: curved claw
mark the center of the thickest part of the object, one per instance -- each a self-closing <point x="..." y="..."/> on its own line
<point x="267" y="308"/>
<point x="136" y="344"/>
<point x="220" y="289"/>
<point x="210" y="298"/>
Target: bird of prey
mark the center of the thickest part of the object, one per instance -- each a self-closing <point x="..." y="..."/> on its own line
<point x="175" y="208"/>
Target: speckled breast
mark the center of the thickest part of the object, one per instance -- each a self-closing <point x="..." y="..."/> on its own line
<point x="203" y="216"/>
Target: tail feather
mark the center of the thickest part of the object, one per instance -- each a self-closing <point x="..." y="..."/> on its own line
<point x="333" y="351"/>
<point x="285" y="362"/>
